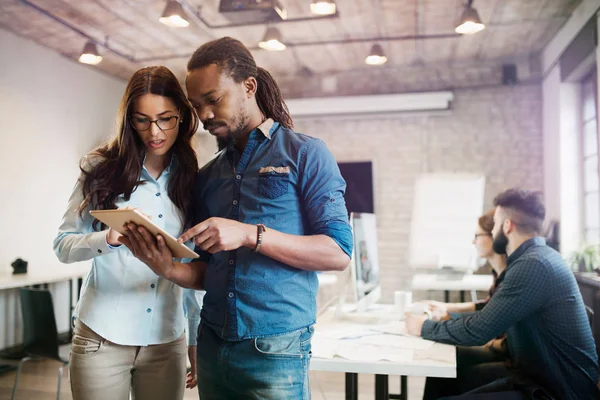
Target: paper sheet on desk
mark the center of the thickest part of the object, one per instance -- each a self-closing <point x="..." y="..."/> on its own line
<point x="324" y="347"/>
<point x="393" y="328"/>
<point x="346" y="331"/>
<point x="445" y="354"/>
<point x="355" y="351"/>
<point x="343" y="330"/>
<point x="395" y="341"/>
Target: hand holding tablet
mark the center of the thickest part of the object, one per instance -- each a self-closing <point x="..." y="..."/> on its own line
<point x="117" y="218"/>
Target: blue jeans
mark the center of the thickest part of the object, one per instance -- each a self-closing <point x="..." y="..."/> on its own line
<point x="274" y="368"/>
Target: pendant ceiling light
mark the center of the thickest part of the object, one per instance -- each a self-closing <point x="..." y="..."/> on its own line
<point x="470" y="22"/>
<point x="272" y="40"/>
<point x="90" y="54"/>
<point x="174" y="15"/>
<point x="323" y="7"/>
<point x="376" y="56"/>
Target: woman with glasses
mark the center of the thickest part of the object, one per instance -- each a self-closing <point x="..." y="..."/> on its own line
<point x="478" y="365"/>
<point x="483" y="242"/>
<point x="129" y="323"/>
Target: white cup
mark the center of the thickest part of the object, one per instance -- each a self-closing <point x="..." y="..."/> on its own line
<point x="402" y="300"/>
<point x="418" y="309"/>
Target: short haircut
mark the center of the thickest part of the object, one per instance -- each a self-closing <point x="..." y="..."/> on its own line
<point x="524" y="208"/>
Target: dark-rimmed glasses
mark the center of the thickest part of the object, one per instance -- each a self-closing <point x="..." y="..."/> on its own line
<point x="164" y="123"/>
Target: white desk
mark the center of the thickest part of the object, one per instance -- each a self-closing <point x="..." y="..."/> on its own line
<point x="419" y="365"/>
<point x="466" y="283"/>
<point x="39" y="276"/>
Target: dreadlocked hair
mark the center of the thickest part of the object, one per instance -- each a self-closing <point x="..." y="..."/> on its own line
<point x="235" y="59"/>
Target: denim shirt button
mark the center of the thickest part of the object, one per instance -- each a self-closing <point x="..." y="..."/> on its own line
<point x="235" y="202"/>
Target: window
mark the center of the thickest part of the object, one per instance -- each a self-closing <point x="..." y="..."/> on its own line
<point x="591" y="178"/>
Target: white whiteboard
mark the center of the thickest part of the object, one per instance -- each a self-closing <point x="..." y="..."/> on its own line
<point x="446" y="208"/>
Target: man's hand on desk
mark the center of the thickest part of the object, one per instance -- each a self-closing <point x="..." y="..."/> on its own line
<point x="414" y="323"/>
<point x="439" y="311"/>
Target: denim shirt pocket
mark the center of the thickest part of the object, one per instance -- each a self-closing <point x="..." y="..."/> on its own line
<point x="273" y="182"/>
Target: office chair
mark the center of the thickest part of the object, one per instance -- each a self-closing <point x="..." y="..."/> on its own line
<point x="40" y="335"/>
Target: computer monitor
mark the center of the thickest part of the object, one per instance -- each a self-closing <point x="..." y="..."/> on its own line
<point x="364" y="267"/>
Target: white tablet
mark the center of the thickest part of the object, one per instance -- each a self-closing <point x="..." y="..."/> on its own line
<point x="117" y="218"/>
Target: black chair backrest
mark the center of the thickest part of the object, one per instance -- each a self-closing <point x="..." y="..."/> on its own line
<point x="40" y="335"/>
<point x="590" y="315"/>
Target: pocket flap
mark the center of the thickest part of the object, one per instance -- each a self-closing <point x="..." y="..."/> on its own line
<point x="274" y="170"/>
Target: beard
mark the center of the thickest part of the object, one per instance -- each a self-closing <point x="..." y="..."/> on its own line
<point x="500" y="242"/>
<point x="239" y="124"/>
<point x="227" y="142"/>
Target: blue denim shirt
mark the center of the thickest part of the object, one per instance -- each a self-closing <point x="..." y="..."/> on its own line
<point x="288" y="182"/>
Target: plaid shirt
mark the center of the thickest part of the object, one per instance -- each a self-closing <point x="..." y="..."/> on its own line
<point x="540" y="307"/>
<point x="498" y="279"/>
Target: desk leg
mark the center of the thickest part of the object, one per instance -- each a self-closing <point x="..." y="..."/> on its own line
<point x="381" y="387"/>
<point x="446" y="296"/>
<point x="403" y="388"/>
<point x="351" y="386"/>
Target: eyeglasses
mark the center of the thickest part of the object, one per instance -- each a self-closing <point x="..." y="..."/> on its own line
<point x="481" y="234"/>
<point x="164" y="123"/>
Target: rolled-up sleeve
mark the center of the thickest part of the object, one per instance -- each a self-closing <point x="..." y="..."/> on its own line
<point x="323" y="191"/>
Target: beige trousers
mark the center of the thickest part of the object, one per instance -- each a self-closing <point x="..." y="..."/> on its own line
<point x="102" y="370"/>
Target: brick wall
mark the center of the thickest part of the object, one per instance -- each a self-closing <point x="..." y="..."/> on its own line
<point x="496" y="131"/>
<point x="402" y="79"/>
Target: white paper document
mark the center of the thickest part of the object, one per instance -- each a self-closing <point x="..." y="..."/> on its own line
<point x="392" y="328"/>
<point x="346" y="331"/>
<point x="396" y="342"/>
<point x="360" y="349"/>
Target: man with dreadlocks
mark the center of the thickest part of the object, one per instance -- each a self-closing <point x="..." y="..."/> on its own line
<point x="269" y="213"/>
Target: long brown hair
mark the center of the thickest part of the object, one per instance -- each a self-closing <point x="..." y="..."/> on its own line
<point x="120" y="160"/>
<point x="235" y="59"/>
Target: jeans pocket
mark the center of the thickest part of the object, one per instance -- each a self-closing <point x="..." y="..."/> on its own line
<point x="287" y="345"/>
<point x="305" y="339"/>
<point x="83" y="345"/>
<point x="272" y="185"/>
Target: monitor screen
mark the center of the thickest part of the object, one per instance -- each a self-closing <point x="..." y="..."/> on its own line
<point x="359" y="186"/>
<point x="365" y="262"/>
